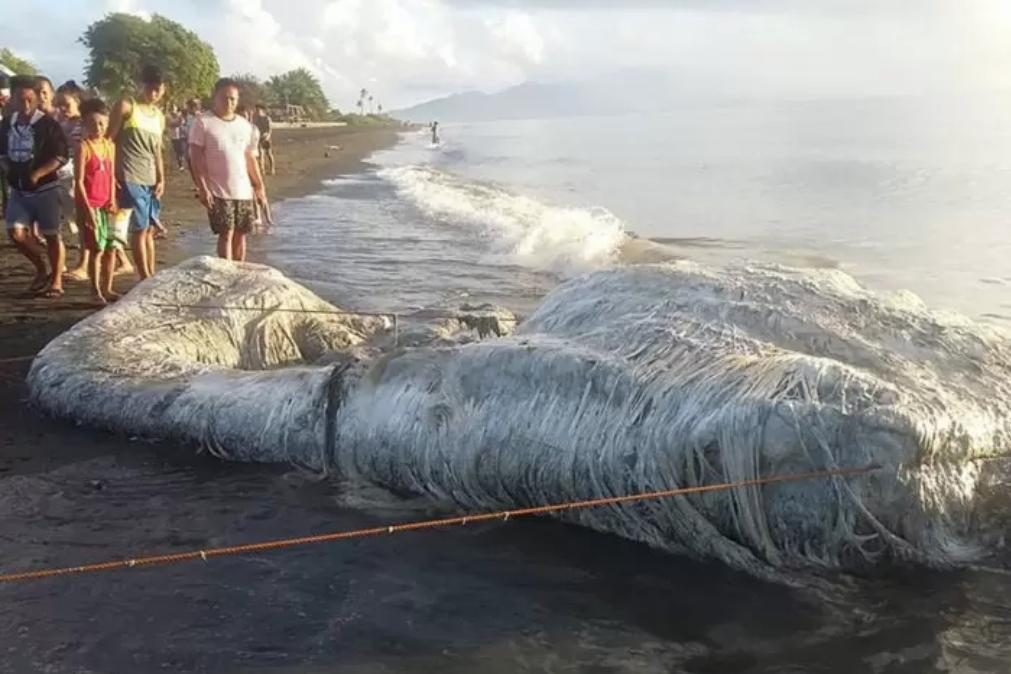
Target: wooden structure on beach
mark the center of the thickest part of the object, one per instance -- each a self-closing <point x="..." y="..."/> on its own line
<point x="288" y="113"/>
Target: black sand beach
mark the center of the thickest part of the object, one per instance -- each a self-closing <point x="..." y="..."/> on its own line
<point x="527" y="596"/>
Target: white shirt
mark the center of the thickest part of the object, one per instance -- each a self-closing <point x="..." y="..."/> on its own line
<point x="225" y="146"/>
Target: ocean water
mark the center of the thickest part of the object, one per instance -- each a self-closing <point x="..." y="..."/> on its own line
<point x="903" y="194"/>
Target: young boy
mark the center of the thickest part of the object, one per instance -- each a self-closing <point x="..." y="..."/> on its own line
<point x="95" y="195"/>
<point x="33" y="147"/>
<point x="137" y="127"/>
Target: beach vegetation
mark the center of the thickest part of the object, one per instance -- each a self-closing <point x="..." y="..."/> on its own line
<point x="17" y="64"/>
<point x="298" y="87"/>
<point x="121" y="44"/>
<point x="252" y="90"/>
<point x="353" y="119"/>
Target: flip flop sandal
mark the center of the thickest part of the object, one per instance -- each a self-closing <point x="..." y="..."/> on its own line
<point x="51" y="294"/>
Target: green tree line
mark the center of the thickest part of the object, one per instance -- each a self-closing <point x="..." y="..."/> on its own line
<point x="295" y="87"/>
<point x="16" y="63"/>
<point x="119" y="45"/>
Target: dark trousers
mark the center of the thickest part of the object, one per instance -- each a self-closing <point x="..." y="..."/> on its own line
<point x="179" y="149"/>
<point x="4" y="189"/>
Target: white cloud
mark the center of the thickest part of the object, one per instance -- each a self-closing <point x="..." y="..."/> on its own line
<point x="409" y="49"/>
<point x="517" y="33"/>
<point x="127" y="7"/>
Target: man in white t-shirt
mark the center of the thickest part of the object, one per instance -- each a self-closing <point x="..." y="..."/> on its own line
<point x="223" y="153"/>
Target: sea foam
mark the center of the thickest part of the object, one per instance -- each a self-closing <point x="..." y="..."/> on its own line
<point x="517" y="229"/>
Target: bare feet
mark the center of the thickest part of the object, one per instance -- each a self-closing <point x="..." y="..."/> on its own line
<point x="51" y="293"/>
<point x="99" y="300"/>
<point x="125" y="268"/>
<point x="112" y="296"/>
<point x="78" y="274"/>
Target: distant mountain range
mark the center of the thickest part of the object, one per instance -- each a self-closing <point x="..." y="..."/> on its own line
<point x="617" y="93"/>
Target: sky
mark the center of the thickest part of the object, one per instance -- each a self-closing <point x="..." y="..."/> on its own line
<point x="408" y="51"/>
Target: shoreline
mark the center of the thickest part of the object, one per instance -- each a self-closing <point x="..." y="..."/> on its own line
<point x="30" y="443"/>
<point x="304" y="157"/>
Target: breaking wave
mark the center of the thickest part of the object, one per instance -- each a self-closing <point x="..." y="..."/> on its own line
<point x="518" y="229"/>
<point x="629" y="380"/>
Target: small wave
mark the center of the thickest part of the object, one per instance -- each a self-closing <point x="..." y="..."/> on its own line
<point x="341" y="181"/>
<point x="646" y="251"/>
<point x="518" y="229"/>
<point x="697" y="242"/>
<point x="803" y="259"/>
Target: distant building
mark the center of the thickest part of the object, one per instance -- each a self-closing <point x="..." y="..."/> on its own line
<point x="288" y="113"/>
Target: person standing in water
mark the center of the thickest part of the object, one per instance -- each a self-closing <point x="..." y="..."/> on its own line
<point x="435" y="133"/>
<point x="226" y="171"/>
<point x="137" y="128"/>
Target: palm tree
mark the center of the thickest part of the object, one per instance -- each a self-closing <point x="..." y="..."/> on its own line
<point x="380" y="108"/>
<point x="361" y="101"/>
<point x="371" y="106"/>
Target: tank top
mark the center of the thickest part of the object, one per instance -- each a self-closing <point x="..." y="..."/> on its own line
<point x="139" y="144"/>
<point x="96" y="161"/>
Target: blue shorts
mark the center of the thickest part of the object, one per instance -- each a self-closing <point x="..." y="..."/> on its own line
<point x="25" y="209"/>
<point x="143" y="204"/>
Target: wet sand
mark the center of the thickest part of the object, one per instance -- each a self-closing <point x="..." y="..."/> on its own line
<point x="527" y="596"/>
<point x="304" y="158"/>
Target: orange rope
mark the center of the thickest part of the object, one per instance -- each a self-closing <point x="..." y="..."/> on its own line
<point x="325" y="312"/>
<point x="504" y="515"/>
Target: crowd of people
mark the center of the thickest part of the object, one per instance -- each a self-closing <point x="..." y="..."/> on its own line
<point x="70" y="160"/>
